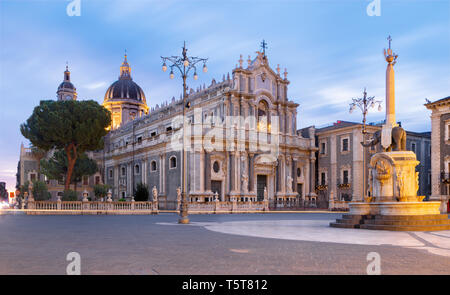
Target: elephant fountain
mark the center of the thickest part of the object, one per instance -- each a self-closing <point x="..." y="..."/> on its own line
<point x="398" y="142"/>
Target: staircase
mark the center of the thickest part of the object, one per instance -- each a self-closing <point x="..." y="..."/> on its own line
<point x="434" y="222"/>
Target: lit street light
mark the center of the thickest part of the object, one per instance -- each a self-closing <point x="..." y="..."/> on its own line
<point x="364" y="103"/>
<point x="184" y="64"/>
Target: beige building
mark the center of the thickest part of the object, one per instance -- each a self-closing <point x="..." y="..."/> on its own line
<point x="440" y="151"/>
<point x="340" y="162"/>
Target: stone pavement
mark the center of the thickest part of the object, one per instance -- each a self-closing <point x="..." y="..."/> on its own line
<point x="288" y="243"/>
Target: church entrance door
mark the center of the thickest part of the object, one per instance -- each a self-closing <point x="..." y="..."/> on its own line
<point x="261" y="183"/>
<point x="216" y="186"/>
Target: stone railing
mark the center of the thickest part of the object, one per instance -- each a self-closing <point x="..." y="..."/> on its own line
<point x="110" y="207"/>
<point x="227" y="207"/>
<point x="86" y="207"/>
<point x="338" y="205"/>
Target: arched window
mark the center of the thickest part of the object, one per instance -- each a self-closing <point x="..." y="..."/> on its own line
<point x="137" y="169"/>
<point x="124" y="171"/>
<point x="153" y="166"/>
<point x="173" y="162"/>
<point x="216" y="167"/>
<point x="263" y="112"/>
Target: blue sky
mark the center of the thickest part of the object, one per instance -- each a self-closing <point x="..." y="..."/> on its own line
<point x="331" y="49"/>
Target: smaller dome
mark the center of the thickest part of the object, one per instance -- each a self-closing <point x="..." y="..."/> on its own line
<point x="66" y="85"/>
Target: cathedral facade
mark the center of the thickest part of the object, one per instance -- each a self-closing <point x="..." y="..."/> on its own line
<point x="241" y="140"/>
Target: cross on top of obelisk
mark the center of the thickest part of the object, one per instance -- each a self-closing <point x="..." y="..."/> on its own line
<point x="264" y="46"/>
<point x="389" y="39"/>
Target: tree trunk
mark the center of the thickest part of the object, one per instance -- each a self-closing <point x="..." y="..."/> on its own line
<point x="71" y="159"/>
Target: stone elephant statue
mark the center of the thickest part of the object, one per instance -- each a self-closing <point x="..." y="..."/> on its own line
<point x="398" y="140"/>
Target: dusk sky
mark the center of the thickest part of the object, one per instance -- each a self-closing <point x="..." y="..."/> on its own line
<point x="331" y="49"/>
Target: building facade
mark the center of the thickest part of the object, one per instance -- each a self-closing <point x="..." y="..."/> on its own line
<point x="242" y="143"/>
<point x="440" y="151"/>
<point x="340" y="162"/>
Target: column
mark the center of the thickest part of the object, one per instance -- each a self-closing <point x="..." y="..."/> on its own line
<point x="162" y="174"/>
<point x="144" y="170"/>
<point x="332" y="174"/>
<point x="435" y="156"/>
<point x="294" y="175"/>
<point x="130" y="175"/>
<point x="207" y="174"/>
<point x="238" y="171"/>
<point x="202" y="170"/>
<point x="251" y="172"/>
<point x="232" y="165"/>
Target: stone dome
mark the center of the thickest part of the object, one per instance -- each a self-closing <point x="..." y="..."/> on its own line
<point x="125" y="87"/>
<point x="66" y="85"/>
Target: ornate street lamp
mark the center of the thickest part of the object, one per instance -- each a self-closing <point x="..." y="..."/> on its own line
<point x="184" y="64"/>
<point x="364" y="103"/>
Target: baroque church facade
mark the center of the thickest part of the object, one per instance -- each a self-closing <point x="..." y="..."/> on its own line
<point x="242" y="140"/>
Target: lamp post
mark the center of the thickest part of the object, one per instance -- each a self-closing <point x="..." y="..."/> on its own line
<point x="184" y="64"/>
<point x="364" y="103"/>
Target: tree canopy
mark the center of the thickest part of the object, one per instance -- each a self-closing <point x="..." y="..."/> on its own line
<point x="74" y="126"/>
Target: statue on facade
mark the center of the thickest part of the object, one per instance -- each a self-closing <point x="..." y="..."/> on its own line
<point x="289" y="184"/>
<point x="155" y="194"/>
<point x="245" y="183"/>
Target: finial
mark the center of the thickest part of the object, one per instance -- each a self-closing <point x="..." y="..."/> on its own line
<point x="67" y="66"/>
<point x="240" y="61"/>
<point x="263" y="47"/>
<point x="278" y="69"/>
<point x="285" y="73"/>
<point x="389" y="55"/>
<point x="249" y="60"/>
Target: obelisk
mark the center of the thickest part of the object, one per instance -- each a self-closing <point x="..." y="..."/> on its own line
<point x="391" y="58"/>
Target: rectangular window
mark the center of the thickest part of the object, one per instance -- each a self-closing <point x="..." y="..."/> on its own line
<point x="323" y="147"/>
<point x="345" y="176"/>
<point x="153" y="134"/>
<point x="322" y="178"/>
<point x="110" y="173"/>
<point x="345" y="145"/>
<point x="413" y="147"/>
<point x="85" y="180"/>
<point x="139" y="139"/>
<point x="32" y="177"/>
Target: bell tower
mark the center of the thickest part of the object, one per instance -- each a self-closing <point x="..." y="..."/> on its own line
<point x="66" y="90"/>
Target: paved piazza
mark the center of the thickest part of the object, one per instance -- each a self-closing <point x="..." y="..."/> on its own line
<point x="274" y="243"/>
